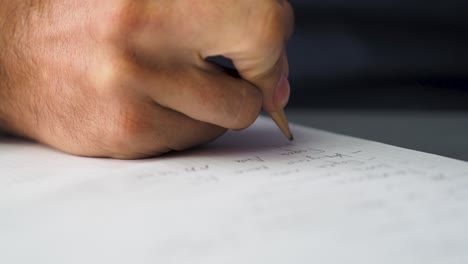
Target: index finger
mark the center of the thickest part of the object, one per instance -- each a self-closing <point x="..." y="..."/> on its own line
<point x="257" y="48"/>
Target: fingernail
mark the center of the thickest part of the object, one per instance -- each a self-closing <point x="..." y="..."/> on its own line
<point x="282" y="92"/>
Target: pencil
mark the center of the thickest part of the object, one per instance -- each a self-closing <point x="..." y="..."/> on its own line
<point x="282" y="122"/>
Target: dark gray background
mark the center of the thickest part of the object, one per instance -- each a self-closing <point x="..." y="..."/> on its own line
<point x="380" y="54"/>
<point x="395" y="71"/>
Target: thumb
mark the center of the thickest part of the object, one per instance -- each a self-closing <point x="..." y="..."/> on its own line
<point x="256" y="46"/>
<point x="260" y="57"/>
<point x="271" y="77"/>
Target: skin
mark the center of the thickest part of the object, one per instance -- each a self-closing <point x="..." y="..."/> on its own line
<point x="128" y="78"/>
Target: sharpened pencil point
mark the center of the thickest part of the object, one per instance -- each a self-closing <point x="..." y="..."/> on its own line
<point x="281" y="121"/>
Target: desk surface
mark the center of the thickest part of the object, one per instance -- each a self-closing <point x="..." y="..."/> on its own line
<point x="442" y="133"/>
<point x="249" y="197"/>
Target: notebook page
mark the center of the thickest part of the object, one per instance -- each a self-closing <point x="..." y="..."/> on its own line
<point x="249" y="197"/>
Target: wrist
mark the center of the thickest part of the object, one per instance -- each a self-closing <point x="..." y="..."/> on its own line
<point x="4" y="47"/>
<point x="12" y="14"/>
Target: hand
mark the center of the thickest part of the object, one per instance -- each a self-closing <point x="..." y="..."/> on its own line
<point x="128" y="79"/>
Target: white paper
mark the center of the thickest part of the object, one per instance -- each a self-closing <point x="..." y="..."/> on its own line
<point x="250" y="197"/>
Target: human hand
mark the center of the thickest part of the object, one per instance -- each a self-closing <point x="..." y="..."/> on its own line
<point x="128" y="79"/>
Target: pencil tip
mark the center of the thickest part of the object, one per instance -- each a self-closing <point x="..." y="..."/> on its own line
<point x="282" y="122"/>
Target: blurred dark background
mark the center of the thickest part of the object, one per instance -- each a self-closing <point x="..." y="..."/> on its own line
<point x="380" y="54"/>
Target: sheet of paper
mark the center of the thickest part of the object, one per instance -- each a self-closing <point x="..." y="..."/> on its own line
<point x="250" y="197"/>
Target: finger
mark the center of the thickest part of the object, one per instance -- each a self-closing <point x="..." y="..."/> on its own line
<point x="289" y="18"/>
<point x="206" y="95"/>
<point x="251" y="33"/>
<point x="159" y="131"/>
<point x="181" y="132"/>
<point x="259" y="54"/>
<point x="282" y="90"/>
<point x="274" y="84"/>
